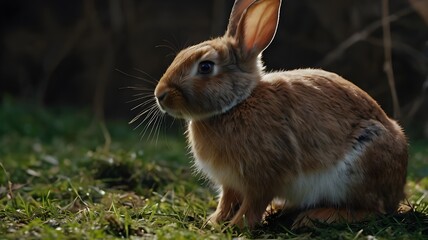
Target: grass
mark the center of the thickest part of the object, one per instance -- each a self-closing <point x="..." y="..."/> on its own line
<point x="59" y="181"/>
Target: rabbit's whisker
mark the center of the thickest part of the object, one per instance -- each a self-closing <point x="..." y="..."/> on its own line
<point x="151" y="116"/>
<point x="148" y="75"/>
<point x="146" y="102"/>
<point x="148" y="98"/>
<point x="139" y="78"/>
<point x="141" y="114"/>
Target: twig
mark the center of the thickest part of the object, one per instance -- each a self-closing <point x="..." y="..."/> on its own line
<point x="104" y="37"/>
<point x="9" y="183"/>
<point x="387" y="67"/>
<point x="359" y="36"/>
<point x="59" y="50"/>
<point x="417" y="57"/>
<point x="107" y="137"/>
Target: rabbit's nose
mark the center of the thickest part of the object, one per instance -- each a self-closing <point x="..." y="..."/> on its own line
<point x="162" y="95"/>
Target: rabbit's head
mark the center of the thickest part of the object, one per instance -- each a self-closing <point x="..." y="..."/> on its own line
<point x="214" y="76"/>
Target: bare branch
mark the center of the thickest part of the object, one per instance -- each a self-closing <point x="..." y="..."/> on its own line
<point x="388" y="57"/>
<point x="360" y="36"/>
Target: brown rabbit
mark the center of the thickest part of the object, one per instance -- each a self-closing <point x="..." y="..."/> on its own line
<point x="307" y="137"/>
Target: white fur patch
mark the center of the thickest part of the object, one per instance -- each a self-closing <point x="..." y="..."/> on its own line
<point x="327" y="186"/>
<point x="224" y="176"/>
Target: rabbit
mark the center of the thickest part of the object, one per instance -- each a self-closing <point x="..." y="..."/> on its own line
<point x="306" y="137"/>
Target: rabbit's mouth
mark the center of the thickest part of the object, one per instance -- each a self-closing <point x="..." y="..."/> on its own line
<point x="166" y="110"/>
<point x="169" y="105"/>
<point x="184" y="114"/>
<point x="170" y="111"/>
<point x="165" y="104"/>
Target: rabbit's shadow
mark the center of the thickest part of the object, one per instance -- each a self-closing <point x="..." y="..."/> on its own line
<point x="409" y="221"/>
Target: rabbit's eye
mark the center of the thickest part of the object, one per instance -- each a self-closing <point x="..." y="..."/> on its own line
<point x="205" y="67"/>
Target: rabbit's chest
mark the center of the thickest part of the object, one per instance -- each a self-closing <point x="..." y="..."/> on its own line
<point x="221" y="158"/>
<point x="223" y="175"/>
<point x="219" y="168"/>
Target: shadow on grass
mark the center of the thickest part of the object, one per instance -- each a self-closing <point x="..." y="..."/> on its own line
<point x="411" y="223"/>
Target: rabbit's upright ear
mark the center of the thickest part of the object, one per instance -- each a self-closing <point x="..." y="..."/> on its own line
<point x="257" y="25"/>
<point x="238" y="8"/>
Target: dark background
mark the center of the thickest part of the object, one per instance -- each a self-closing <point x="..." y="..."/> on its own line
<point x="80" y="53"/>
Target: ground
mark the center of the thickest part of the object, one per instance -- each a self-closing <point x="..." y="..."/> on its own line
<point x="61" y="179"/>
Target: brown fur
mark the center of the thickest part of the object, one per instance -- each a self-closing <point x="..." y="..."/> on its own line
<point x="254" y="134"/>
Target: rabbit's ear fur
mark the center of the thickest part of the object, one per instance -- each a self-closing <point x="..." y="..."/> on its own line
<point x="257" y="25"/>
<point x="238" y="8"/>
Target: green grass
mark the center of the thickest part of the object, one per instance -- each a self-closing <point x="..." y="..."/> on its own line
<point x="58" y="180"/>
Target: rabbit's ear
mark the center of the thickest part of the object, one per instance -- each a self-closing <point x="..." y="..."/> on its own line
<point x="238" y="8"/>
<point x="257" y="26"/>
